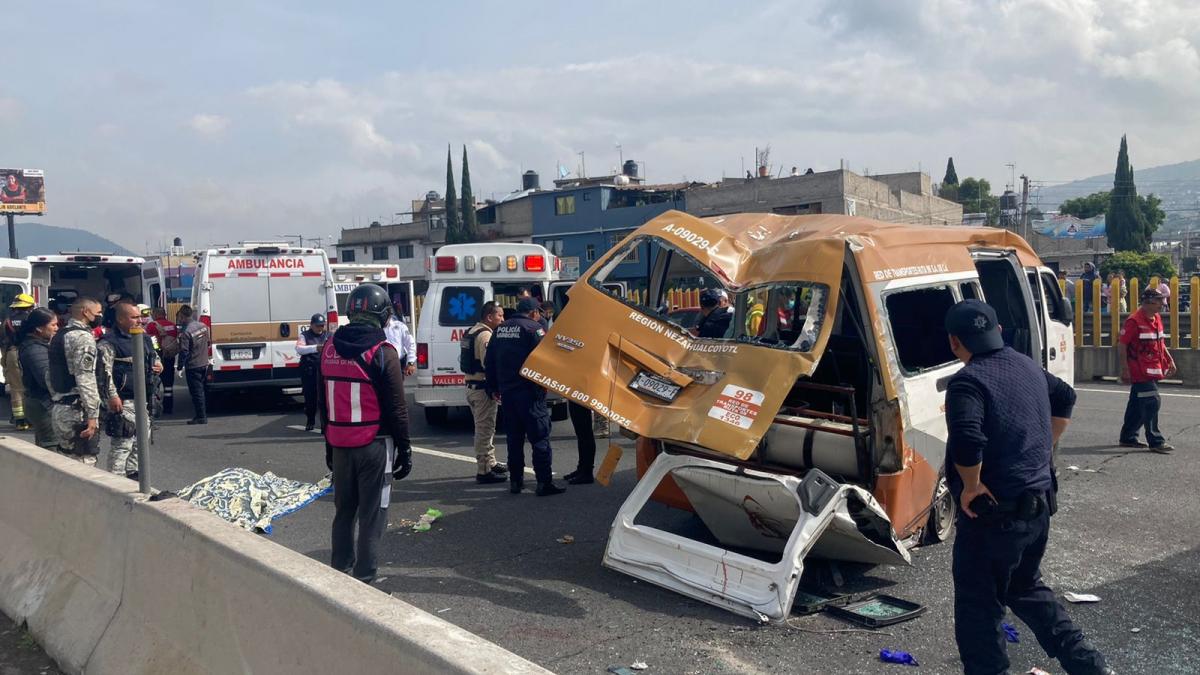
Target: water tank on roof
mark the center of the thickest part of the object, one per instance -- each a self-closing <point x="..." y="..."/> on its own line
<point x="621" y="180"/>
<point x="529" y="180"/>
<point x="177" y="241"/>
<point x="1008" y="201"/>
<point x="432" y="196"/>
<point x="629" y="168"/>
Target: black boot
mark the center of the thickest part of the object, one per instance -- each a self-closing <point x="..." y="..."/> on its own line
<point x="548" y="488"/>
<point x="310" y="425"/>
<point x="515" y="485"/>
<point x="580" y="477"/>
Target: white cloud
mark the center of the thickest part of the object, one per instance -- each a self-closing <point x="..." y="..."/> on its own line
<point x="209" y="125"/>
<point x="10" y="109"/>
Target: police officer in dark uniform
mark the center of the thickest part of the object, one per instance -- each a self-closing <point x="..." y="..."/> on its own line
<point x="1003" y="414"/>
<point x="525" y="411"/>
<point x="308" y="346"/>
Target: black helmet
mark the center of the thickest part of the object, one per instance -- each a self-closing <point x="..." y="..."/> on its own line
<point x="369" y="299"/>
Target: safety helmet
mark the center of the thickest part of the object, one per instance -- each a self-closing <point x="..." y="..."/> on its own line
<point x="22" y="301"/>
<point x="371" y="300"/>
<point x="144" y="310"/>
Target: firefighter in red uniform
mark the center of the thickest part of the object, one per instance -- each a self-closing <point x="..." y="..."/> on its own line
<point x="366" y="429"/>
<point x="1142" y="351"/>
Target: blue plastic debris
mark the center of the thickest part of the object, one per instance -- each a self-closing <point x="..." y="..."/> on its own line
<point x="1010" y="633"/>
<point x="897" y="656"/>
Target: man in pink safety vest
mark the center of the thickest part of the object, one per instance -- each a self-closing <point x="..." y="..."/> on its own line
<point x="365" y="420"/>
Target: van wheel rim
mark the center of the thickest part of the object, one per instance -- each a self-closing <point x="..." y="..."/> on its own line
<point x="943" y="510"/>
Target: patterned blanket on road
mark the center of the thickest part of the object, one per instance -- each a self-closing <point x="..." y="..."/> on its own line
<point x="251" y="500"/>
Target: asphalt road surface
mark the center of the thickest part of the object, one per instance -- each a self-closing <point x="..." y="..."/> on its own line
<point x="1126" y="531"/>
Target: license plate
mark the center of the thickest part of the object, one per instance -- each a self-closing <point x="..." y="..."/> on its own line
<point x="653" y="385"/>
<point x="241" y="354"/>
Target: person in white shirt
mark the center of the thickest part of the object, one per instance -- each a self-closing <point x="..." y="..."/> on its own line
<point x="397" y="333"/>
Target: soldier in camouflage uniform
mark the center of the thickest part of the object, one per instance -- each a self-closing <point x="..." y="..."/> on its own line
<point x="75" y="398"/>
<point x="115" y="377"/>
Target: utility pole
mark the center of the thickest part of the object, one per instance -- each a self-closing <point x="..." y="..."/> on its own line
<point x="12" y="236"/>
<point x="1025" y="206"/>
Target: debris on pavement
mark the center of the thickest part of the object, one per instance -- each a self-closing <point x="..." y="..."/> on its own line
<point x="1135" y="630"/>
<point x="1075" y="468"/>
<point x="897" y="656"/>
<point x="639" y="665"/>
<point x="1036" y="671"/>
<point x="425" y="522"/>
<point x="1010" y="633"/>
<point x="566" y="539"/>
<point x="619" y="670"/>
<point x="1081" y="597"/>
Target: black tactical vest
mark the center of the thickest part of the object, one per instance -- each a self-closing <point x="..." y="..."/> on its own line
<point x="467" y="362"/>
<point x="61" y="379"/>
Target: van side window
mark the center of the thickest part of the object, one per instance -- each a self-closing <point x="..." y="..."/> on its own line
<point x="917" y="320"/>
<point x="970" y="291"/>
<point x="1054" y="305"/>
<point x="460" y="305"/>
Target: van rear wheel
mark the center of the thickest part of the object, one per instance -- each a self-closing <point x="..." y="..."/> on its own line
<point x="941" y="514"/>
<point x="436" y="417"/>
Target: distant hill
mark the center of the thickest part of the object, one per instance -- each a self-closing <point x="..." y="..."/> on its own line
<point x="39" y="239"/>
<point x="1178" y="185"/>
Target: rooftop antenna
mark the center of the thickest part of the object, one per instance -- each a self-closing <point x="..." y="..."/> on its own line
<point x="620" y="155"/>
<point x="582" y="165"/>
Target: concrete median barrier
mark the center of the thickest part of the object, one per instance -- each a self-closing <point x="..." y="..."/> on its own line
<point x="109" y="583"/>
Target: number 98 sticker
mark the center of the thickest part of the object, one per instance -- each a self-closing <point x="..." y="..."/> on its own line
<point x="736" y="405"/>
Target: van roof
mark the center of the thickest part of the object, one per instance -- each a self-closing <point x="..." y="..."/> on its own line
<point x="752" y="248"/>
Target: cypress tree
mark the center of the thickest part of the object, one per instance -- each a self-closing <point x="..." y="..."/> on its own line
<point x="951" y="175"/>
<point x="470" y="223"/>
<point x="453" y="228"/>
<point x="1125" y="224"/>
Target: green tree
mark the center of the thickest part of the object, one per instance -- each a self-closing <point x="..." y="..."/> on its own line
<point x="1126" y="225"/>
<point x="975" y="194"/>
<point x="1097" y="203"/>
<point x="1085" y="207"/>
<point x="453" y="225"/>
<point x="1141" y="266"/>
<point x="470" y="222"/>
<point x="951" y="177"/>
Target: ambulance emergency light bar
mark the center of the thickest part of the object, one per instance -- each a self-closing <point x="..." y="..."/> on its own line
<point x="491" y="263"/>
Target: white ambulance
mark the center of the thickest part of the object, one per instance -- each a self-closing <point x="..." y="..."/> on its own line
<point x="60" y="279"/>
<point x="256" y="298"/>
<point x="461" y="278"/>
<point x="348" y="276"/>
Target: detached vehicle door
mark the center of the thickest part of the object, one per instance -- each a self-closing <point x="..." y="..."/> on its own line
<point x="718" y="388"/>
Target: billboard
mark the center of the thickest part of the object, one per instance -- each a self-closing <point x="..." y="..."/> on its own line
<point x="1070" y="227"/>
<point x="22" y="191"/>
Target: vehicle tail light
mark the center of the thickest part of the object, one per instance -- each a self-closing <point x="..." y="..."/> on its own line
<point x="392" y="273"/>
<point x="557" y="264"/>
<point x="423" y="355"/>
<point x="468" y="263"/>
<point x="535" y="263"/>
<point x="331" y="319"/>
<point x="447" y="263"/>
<point x="511" y="263"/>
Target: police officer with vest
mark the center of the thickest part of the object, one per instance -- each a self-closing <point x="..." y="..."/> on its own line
<point x="525" y="412"/>
<point x="1004" y="413"/>
<point x="472" y="353"/>
<point x="365" y="420"/>
<point x="115" y="375"/>
<point x="18" y="311"/>
<point x="308" y="346"/>
<point x="75" y="396"/>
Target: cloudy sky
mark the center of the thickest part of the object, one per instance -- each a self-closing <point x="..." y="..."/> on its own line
<point x="222" y="121"/>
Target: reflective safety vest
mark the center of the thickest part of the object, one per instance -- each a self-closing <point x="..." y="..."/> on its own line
<point x="351" y="402"/>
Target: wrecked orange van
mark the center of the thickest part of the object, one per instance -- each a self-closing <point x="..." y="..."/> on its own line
<point x="814" y="423"/>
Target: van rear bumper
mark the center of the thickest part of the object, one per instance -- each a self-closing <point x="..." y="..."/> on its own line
<point x="258" y="377"/>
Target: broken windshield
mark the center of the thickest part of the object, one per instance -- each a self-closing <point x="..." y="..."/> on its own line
<point x="671" y="285"/>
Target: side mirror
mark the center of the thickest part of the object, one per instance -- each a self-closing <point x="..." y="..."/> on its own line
<point x="1066" y="310"/>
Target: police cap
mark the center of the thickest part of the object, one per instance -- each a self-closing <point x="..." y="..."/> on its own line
<point x="974" y="323"/>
